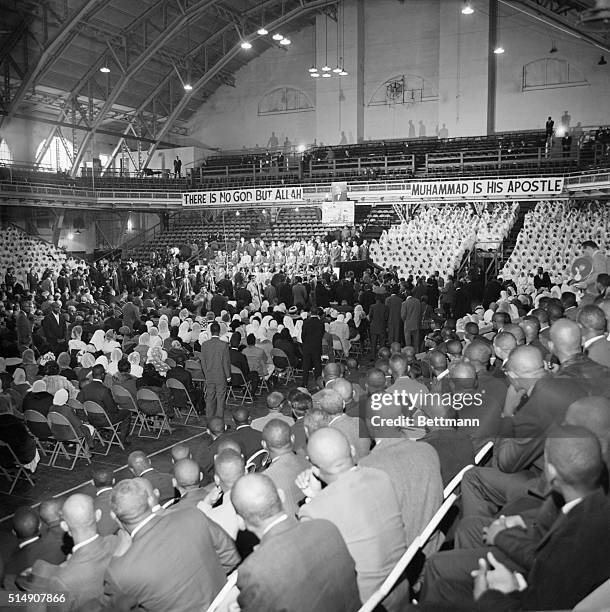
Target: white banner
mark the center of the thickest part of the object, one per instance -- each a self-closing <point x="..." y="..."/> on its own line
<point x="338" y="213"/>
<point x="481" y="188"/>
<point x="267" y="195"/>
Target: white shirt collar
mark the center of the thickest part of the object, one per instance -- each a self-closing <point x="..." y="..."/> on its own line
<point x="102" y="490"/>
<point x="567" y="507"/>
<point x="87" y="541"/>
<point x="277" y="521"/>
<point x="141" y="524"/>
<point x="442" y="374"/>
<point x="150" y="469"/>
<point x="240" y="426"/>
<point x="26" y="542"/>
<point x="336" y="418"/>
<point x="590" y="341"/>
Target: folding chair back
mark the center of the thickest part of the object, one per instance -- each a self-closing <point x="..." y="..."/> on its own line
<point x="170" y="362"/>
<point x="123" y="398"/>
<point x="181" y="398"/>
<point x="9" y="462"/>
<point x="79" y="409"/>
<point x="258" y="461"/>
<point x="64" y="433"/>
<point x="280" y="359"/>
<point x="38" y="425"/>
<point x="96" y="415"/>
<point x="149" y="402"/>
<point x="61" y="428"/>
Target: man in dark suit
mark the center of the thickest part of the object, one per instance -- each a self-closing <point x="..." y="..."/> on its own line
<point x="96" y="391"/>
<point x="23" y="326"/>
<point x="571" y="560"/>
<point x="542" y="280"/>
<point x="249" y="439"/>
<point x="286" y="465"/>
<point x="167" y="551"/>
<point x="411" y="317"/>
<point x="131" y="313"/>
<point x="239" y="361"/>
<point x="479" y="353"/>
<point x="140" y="466"/>
<point x="592" y="321"/>
<point x="394" y="306"/>
<point x="181" y="374"/>
<point x="301" y="566"/>
<point x="312" y="334"/>
<point x="55" y="329"/>
<point x="216" y="365"/>
<point x="103" y="480"/>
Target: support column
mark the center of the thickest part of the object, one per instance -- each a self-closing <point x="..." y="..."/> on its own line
<point x="492" y="67"/>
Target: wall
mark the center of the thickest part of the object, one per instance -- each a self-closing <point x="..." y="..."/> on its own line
<point x="427" y="38"/>
<point x="526" y="40"/>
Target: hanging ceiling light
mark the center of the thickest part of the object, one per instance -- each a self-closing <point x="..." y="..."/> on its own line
<point x="337" y="70"/>
<point x="262" y="31"/>
<point x="312" y="69"/>
<point x="285" y="41"/>
<point x="188" y="87"/>
<point x="602" y="61"/>
<point x="326" y="68"/>
<point x="315" y="75"/>
<point x="499" y="50"/>
<point x="105" y="69"/>
<point x="343" y="72"/>
<point x="277" y="36"/>
<point x="246" y="45"/>
<point x="467" y="9"/>
<point x="326" y="75"/>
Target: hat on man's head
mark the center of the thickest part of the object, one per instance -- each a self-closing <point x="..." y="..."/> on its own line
<point x="39" y="386"/>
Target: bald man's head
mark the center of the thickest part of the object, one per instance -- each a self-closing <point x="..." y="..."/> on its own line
<point x="462" y="375"/>
<point x="592" y="413"/>
<point x="375" y="381"/>
<point x="573" y="459"/>
<point x="277" y="437"/>
<point x="471" y="330"/>
<point x="153" y="494"/>
<point x="329" y="401"/>
<point x="516" y="331"/>
<point x="566" y="339"/>
<point x="394" y="348"/>
<point x="383" y="353"/>
<point x="179" y="452"/>
<point x="592" y="320"/>
<point x="50" y="511"/>
<point x="229" y="466"/>
<point x="315" y="419"/>
<point x="256" y="501"/>
<point x="438" y="361"/>
<point x="216" y="426"/>
<point x="399" y="365"/>
<point x="454" y="349"/>
<point x="129" y="502"/>
<point x="524" y="366"/>
<point x="503" y="344"/>
<point x="187" y="474"/>
<point x="138" y="462"/>
<point x="103" y="477"/>
<point x="330" y="453"/>
<point x="343" y="387"/>
<point x="241" y="416"/>
<point x="331" y="370"/>
<point x="531" y="328"/>
<point x="478" y="354"/>
<point x="26" y="523"/>
<point x="409" y="352"/>
<point x="228" y="444"/>
<point x="275" y="399"/>
<point x="79" y="517"/>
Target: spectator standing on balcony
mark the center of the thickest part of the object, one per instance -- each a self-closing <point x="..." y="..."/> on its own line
<point x="566" y="144"/>
<point x="550" y="128"/>
<point x="177" y="167"/>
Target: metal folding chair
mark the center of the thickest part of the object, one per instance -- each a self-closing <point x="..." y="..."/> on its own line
<point x="125" y="400"/>
<point x="282" y="365"/>
<point x="239" y="383"/>
<point x="99" y="419"/>
<point x="66" y="435"/>
<point x="257" y="462"/>
<point x="178" y="390"/>
<point x="11" y="467"/>
<point x="155" y="417"/>
<point x="38" y="426"/>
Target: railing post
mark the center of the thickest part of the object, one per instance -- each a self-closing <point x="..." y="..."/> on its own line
<point x="539" y="156"/>
<point x="461" y="160"/>
<point x="359" y="165"/>
<point x="385" y="163"/>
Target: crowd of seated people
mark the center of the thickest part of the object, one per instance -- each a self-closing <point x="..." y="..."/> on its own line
<point x="551" y="238"/>
<point x="437" y="237"/>
<point x="321" y="526"/>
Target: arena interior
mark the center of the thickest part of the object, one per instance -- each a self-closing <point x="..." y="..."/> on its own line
<point x="304" y="305"/>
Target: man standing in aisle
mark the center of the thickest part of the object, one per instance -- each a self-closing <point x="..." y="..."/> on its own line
<point x="216" y="366"/>
<point x="312" y="334"/>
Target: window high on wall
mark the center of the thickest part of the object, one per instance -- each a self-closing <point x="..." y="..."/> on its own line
<point x="58" y="155"/>
<point x="6" y="157"/>
<point x="549" y="73"/>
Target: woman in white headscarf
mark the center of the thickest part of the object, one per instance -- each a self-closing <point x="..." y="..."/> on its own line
<point x="155" y="339"/>
<point x="109" y="342"/>
<point x="289" y="324"/>
<point x="115" y="356"/>
<point x="264" y="328"/>
<point x="143" y="345"/>
<point x="136" y="368"/>
<point x="298" y="330"/>
<point x="184" y="332"/>
<point x="98" y="339"/>
<point x="157" y="356"/>
<point x="195" y="332"/>
<point x="163" y="328"/>
<point x="75" y="343"/>
<point x="359" y="314"/>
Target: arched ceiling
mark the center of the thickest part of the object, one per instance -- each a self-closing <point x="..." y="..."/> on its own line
<point x="51" y="52"/>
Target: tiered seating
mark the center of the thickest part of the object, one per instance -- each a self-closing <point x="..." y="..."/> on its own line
<point x="551" y="238"/>
<point x="292" y="225"/>
<point x="23" y="251"/>
<point x="438" y="237"/>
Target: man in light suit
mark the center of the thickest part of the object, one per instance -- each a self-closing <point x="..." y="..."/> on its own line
<point x="362" y="503"/>
<point x="592" y="321"/>
<point x="411" y="317"/>
<point x="216" y="365"/>
<point x="55" y="328"/>
<point x="176" y="561"/>
<point x="302" y="566"/>
<point x="286" y="465"/>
